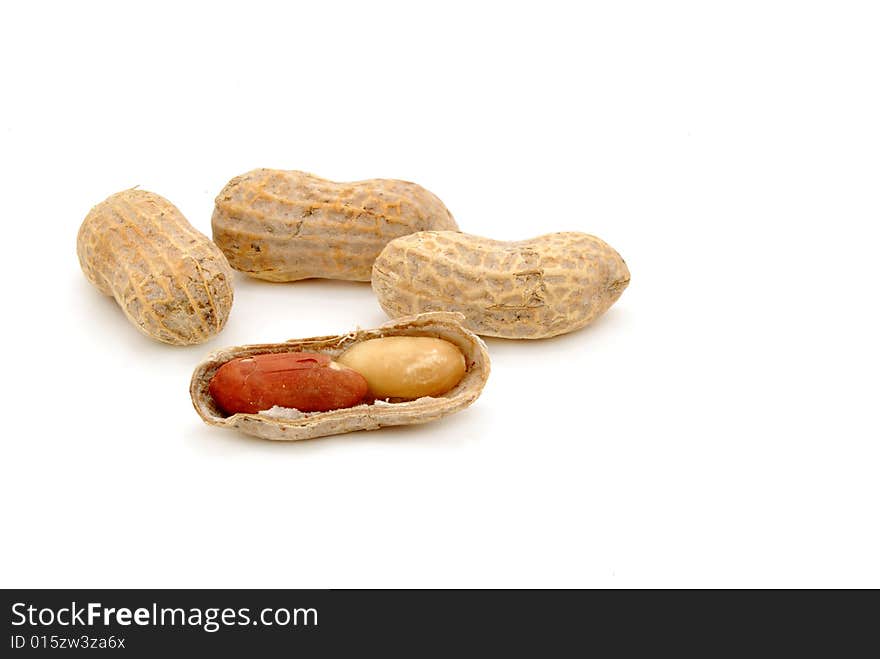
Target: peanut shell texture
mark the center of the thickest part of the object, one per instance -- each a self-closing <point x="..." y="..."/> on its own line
<point x="527" y="289"/>
<point x="171" y="281"/>
<point x="289" y="225"/>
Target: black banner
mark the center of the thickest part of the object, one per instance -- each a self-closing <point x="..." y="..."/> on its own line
<point x="412" y="623"/>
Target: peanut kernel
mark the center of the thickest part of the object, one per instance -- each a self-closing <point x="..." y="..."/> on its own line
<point x="406" y="366"/>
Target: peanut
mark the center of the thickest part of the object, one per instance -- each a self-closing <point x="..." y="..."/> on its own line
<point x="172" y="282"/>
<point x="306" y="381"/>
<point x="530" y="289"/>
<point x="288" y="225"/>
<point x="283" y="423"/>
<point x="406" y="366"/>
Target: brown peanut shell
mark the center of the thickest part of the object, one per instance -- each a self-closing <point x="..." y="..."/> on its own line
<point x="527" y="289"/>
<point x="288" y="225"/>
<point x="361" y="417"/>
<point x="171" y="281"/>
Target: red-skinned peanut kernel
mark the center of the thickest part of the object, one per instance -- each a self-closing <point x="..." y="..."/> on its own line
<point x="306" y="381"/>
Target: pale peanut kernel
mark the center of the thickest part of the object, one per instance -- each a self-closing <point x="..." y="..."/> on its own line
<point x="406" y="366"/>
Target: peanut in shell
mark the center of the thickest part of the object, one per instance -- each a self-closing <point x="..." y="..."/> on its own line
<point x="288" y="225"/>
<point x="527" y="289"/>
<point x="171" y="281"/>
<point x="288" y="425"/>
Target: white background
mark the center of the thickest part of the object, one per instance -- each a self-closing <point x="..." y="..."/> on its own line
<point x="718" y="427"/>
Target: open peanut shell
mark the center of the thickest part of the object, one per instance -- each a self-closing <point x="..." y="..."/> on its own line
<point x="289" y="425"/>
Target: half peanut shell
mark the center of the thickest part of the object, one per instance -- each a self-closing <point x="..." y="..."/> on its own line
<point x="289" y="425"/>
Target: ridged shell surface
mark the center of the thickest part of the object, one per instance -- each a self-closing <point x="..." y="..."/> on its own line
<point x="529" y="289"/>
<point x="361" y="417"/>
<point x="171" y="281"/>
<point x="289" y="225"/>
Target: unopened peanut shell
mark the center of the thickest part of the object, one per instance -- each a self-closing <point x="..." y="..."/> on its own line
<point x="288" y="225"/>
<point x="527" y="289"/>
<point x="171" y="281"/>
